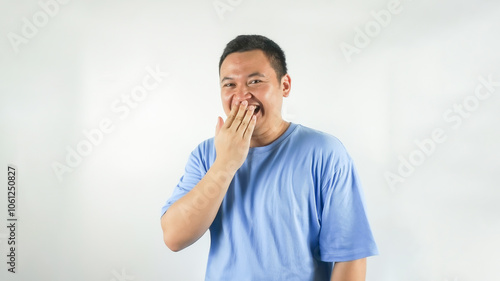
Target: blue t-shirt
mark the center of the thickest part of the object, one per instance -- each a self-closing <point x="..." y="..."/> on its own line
<point x="294" y="207"/>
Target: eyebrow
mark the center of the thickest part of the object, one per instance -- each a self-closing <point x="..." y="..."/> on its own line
<point x="250" y="75"/>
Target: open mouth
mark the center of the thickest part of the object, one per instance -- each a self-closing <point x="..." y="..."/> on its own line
<point x="256" y="110"/>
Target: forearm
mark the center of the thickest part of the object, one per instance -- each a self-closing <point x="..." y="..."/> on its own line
<point x="349" y="271"/>
<point x="189" y="217"/>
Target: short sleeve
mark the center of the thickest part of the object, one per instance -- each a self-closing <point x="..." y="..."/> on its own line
<point x="194" y="171"/>
<point x="345" y="232"/>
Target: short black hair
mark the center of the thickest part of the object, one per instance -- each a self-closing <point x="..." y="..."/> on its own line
<point x="273" y="52"/>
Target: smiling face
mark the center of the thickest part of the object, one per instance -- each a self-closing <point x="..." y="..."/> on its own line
<point x="249" y="76"/>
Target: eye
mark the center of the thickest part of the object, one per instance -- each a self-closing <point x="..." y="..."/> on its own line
<point x="255" y="81"/>
<point x="228" y="85"/>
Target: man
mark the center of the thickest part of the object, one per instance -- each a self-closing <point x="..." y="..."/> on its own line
<point x="282" y="201"/>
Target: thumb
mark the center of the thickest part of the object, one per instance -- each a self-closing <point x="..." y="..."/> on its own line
<point x="220" y="122"/>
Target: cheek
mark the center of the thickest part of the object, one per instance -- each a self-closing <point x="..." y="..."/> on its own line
<point x="225" y="93"/>
<point x="261" y="91"/>
<point x="226" y="102"/>
<point x="225" y="96"/>
<point x="266" y="94"/>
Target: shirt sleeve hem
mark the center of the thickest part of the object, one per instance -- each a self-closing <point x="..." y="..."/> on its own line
<point x="348" y="257"/>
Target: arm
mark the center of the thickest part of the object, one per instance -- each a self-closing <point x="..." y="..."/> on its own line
<point x="189" y="217"/>
<point x="349" y="270"/>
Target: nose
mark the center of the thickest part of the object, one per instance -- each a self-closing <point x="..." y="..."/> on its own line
<point x="242" y="93"/>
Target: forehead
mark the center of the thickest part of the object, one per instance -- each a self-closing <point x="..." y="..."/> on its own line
<point x="244" y="62"/>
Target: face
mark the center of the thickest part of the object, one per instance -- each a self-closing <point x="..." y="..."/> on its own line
<point x="249" y="76"/>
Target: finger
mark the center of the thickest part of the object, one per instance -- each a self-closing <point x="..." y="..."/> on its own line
<point x="239" y="116"/>
<point x="249" y="131"/>
<point x="246" y="119"/>
<point x="232" y="114"/>
<point x="219" y="125"/>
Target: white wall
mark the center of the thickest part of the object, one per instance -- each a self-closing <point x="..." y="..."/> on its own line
<point x="100" y="221"/>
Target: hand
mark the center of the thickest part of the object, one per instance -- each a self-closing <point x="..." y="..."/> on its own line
<point x="232" y="139"/>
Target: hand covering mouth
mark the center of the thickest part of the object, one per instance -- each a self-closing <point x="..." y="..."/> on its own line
<point x="257" y="109"/>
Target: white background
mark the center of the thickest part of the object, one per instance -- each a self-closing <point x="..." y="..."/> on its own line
<point x="102" y="220"/>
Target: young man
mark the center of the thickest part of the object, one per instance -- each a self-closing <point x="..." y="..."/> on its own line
<point x="282" y="201"/>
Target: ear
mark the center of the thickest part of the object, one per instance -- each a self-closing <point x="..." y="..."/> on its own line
<point x="286" y="85"/>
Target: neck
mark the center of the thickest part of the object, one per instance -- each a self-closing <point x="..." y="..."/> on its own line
<point x="269" y="134"/>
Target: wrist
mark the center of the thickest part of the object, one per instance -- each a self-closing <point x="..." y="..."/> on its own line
<point x="226" y="167"/>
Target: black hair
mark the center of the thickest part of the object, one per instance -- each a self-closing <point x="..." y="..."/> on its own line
<point x="273" y="52"/>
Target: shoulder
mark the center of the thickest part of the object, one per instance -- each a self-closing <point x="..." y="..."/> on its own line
<point x="313" y="135"/>
<point x="206" y="146"/>
<point x="319" y="141"/>
<point x="203" y="154"/>
<point x="324" y="153"/>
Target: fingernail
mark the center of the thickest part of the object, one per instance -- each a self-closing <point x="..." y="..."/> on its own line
<point x="252" y="107"/>
<point x="244" y="102"/>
